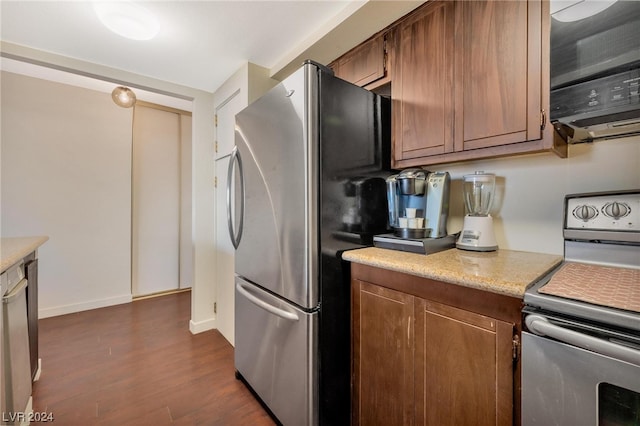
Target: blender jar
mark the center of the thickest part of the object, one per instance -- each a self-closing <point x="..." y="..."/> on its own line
<point x="478" y="190"/>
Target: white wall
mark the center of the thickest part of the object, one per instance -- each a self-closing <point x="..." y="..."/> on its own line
<point x="528" y="209"/>
<point x="66" y="173"/>
<point x="203" y="292"/>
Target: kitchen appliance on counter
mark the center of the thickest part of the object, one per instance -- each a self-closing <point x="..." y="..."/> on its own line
<point x="418" y="204"/>
<point x="303" y="185"/>
<point x="477" y="229"/>
<point x="595" y="69"/>
<point x="16" y="367"/>
<point x="581" y="340"/>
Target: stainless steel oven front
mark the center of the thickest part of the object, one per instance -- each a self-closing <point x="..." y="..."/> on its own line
<point x="581" y="333"/>
<point x="578" y="374"/>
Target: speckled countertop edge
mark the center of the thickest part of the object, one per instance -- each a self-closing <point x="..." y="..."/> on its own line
<point x="14" y="249"/>
<point x="506" y="272"/>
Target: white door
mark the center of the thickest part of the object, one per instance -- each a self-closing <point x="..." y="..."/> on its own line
<point x="155" y="201"/>
<point x="225" y="129"/>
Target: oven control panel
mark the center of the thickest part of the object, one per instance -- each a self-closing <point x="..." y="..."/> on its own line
<point x="609" y="212"/>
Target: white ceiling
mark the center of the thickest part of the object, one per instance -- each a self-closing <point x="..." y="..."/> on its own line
<point x="200" y="44"/>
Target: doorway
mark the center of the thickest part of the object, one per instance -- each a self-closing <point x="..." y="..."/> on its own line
<point x="160" y="200"/>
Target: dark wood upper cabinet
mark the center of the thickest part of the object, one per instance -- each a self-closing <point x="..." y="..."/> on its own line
<point x="469" y="80"/>
<point x="422" y="88"/>
<point x="498" y="68"/>
<point x="365" y="65"/>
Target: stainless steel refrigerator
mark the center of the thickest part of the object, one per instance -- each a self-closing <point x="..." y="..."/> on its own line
<point x="306" y="182"/>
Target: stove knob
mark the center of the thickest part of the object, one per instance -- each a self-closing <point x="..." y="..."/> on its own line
<point x="616" y="210"/>
<point x="585" y="212"/>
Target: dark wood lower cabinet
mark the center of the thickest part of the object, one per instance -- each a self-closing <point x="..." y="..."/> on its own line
<point x="463" y="367"/>
<point x="431" y="353"/>
<point x="383" y="356"/>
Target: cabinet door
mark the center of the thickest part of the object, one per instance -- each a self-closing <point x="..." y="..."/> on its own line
<point x="498" y="67"/>
<point x="423" y="89"/>
<point x="382" y="349"/>
<point x="363" y="64"/>
<point x="464" y="367"/>
<point x="471" y="81"/>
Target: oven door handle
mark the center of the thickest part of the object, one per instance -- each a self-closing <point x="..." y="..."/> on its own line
<point x="543" y="327"/>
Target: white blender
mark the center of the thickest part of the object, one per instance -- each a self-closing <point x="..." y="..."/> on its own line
<point x="477" y="230"/>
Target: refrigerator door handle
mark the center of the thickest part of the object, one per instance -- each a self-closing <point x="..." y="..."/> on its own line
<point x="266" y="306"/>
<point x="235" y="157"/>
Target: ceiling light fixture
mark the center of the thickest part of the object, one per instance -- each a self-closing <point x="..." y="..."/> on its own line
<point x="123" y="96"/>
<point x="127" y="19"/>
<point x="570" y="11"/>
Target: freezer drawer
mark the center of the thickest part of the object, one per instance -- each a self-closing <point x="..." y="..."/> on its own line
<point x="275" y="353"/>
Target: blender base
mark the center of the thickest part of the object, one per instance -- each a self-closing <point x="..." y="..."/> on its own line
<point x="476" y="248"/>
<point x="477" y="234"/>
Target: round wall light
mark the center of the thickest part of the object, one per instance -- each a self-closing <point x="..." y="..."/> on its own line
<point x="127" y="19"/>
<point x="123" y="96"/>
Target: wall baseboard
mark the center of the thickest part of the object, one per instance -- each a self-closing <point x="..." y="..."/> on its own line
<point x="200" y="326"/>
<point x="85" y="306"/>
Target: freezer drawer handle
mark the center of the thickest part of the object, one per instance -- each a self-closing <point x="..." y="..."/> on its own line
<point x="235" y="156"/>
<point x="542" y="327"/>
<point x="264" y="305"/>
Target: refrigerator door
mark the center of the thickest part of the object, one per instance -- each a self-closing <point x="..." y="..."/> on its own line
<point x="276" y="353"/>
<point x="277" y="140"/>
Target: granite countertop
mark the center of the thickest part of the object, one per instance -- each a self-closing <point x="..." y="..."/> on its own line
<point x="14" y="249"/>
<point x="506" y="272"/>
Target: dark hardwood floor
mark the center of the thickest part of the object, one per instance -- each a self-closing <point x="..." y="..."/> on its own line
<point x="138" y="364"/>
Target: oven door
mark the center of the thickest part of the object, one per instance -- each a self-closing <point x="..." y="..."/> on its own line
<point x="563" y="384"/>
